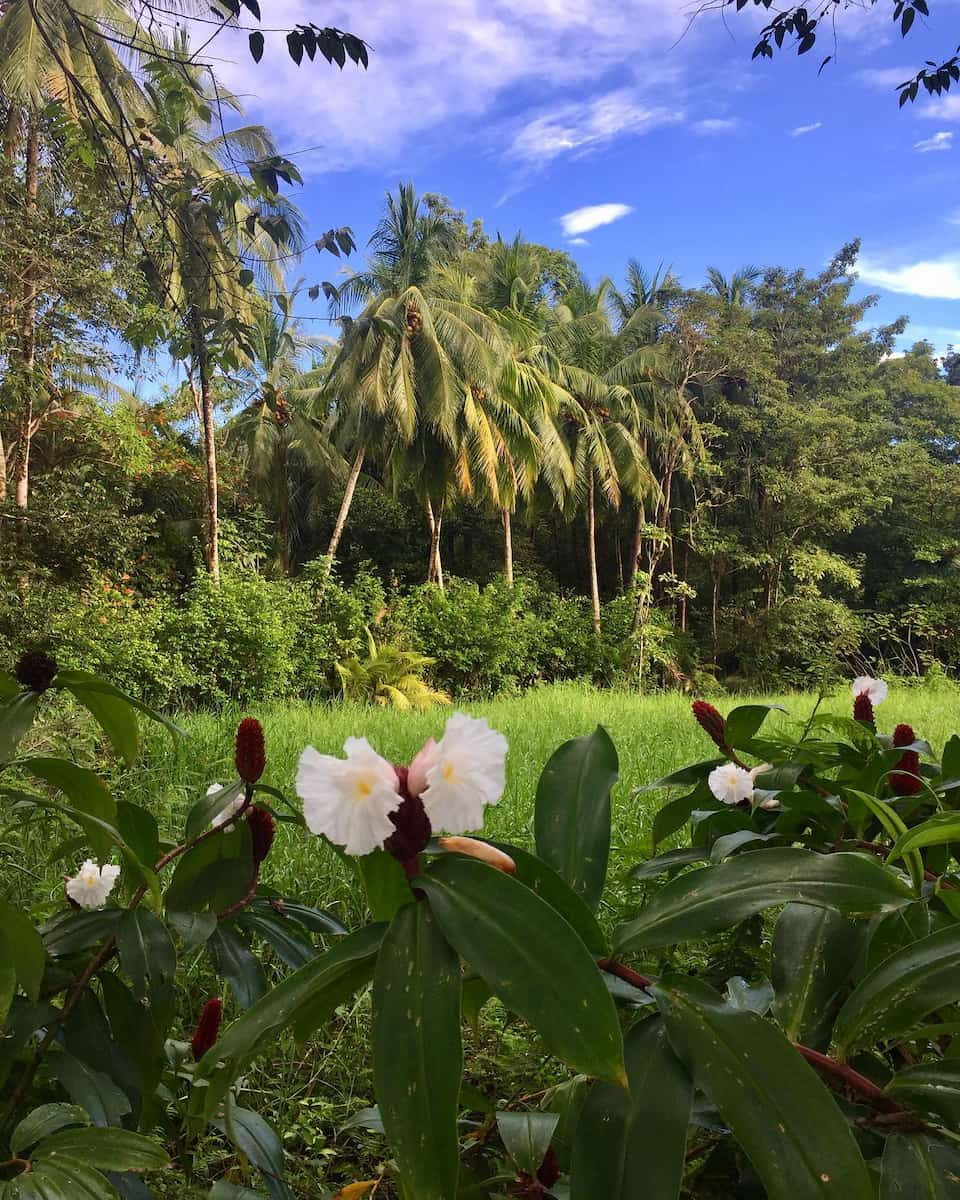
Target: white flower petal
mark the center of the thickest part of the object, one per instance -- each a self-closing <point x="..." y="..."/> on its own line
<point x="731" y="784"/>
<point x="349" y="800"/>
<point x="467" y="772"/>
<point x="228" y="813"/>
<point x="91" y="886"/>
<point x="875" y="689"/>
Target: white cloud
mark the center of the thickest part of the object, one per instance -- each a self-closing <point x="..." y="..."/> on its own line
<point x="886" y="77"/>
<point x="579" y="242"/>
<point x="935" y="279"/>
<point x="939" y="141"/>
<point x="717" y="125"/>
<point x="579" y="127"/>
<point x="943" y="108"/>
<point x="582" y="220"/>
<point x="802" y="129"/>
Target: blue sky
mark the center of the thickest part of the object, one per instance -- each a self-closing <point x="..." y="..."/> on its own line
<point x="524" y="113"/>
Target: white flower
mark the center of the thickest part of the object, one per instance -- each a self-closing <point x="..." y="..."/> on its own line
<point x="349" y="799"/>
<point x="731" y="783"/>
<point x="459" y="775"/>
<point x="874" y="689"/>
<point x="91" y="886"/>
<point x="225" y="814"/>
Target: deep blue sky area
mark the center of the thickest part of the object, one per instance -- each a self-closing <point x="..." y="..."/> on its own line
<point x="525" y="113"/>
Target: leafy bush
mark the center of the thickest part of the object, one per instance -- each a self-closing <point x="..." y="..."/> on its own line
<point x="389" y="676"/>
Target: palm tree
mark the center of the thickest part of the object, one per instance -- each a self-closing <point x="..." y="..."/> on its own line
<point x="735" y="290"/>
<point x="277" y="430"/>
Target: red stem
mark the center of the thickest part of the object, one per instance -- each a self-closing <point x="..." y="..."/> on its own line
<point x="612" y="967"/>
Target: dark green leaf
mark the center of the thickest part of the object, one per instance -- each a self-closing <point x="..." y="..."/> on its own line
<point x="526" y="1136"/>
<point x="572" y="817"/>
<point x="70" y="932"/>
<point x="692" y="774"/>
<point x="714" y="898"/>
<point x="91" y="1089"/>
<point x="387" y="887"/>
<point x="932" y="1088"/>
<point x="417" y="1053"/>
<point x="105" y="1149"/>
<point x="292" y="950"/>
<point x="138" y="828"/>
<point x="744" y="722"/>
<point x="86" y="792"/>
<point x="251" y="1135"/>
<point x="21" y="945"/>
<point x="146" y="950"/>
<point x="256" y="45"/>
<point x="814" y="950"/>
<point x="193" y="929"/>
<point x="211" y="806"/>
<point x="114" y="714"/>
<point x="531" y="958"/>
<point x="234" y="961"/>
<point x="213" y="875"/>
<point x="43" y="1121"/>
<point x="16" y="717"/>
<point x="64" y="1180"/>
<point x="909" y="1172"/>
<point x="543" y="880"/>
<point x="685" y="856"/>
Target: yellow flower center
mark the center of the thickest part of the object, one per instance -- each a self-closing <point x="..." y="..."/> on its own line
<point x="448" y="772"/>
<point x="364" y="787"/>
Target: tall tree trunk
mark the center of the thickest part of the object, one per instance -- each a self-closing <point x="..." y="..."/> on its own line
<point x="3" y="470"/>
<point x="351" y="487"/>
<point x="507" y="547"/>
<point x="619" y="553"/>
<point x="283" y="516"/>
<point x="436" y="565"/>
<point x="592" y="556"/>
<point x="683" y="598"/>
<point x="637" y="547"/>
<point x="28" y="331"/>
<point x="202" y="367"/>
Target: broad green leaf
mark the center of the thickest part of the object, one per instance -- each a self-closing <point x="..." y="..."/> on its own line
<point x="890" y="934"/>
<point x="8" y="989"/>
<point x="417" y="1052"/>
<point x="105" y="1149"/>
<point x="92" y="1089"/>
<point x="714" y="898"/>
<point x="895" y="996"/>
<point x="814" y="950"/>
<point x="16" y="717"/>
<point x="43" y="1121"/>
<point x="214" y="874"/>
<point x="9" y="686"/>
<point x="86" y="792"/>
<point x="932" y="1088"/>
<point x="780" y="1112"/>
<point x="895" y="828"/>
<point x="692" y="774"/>
<point x="526" y="1136"/>
<point x="685" y="856"/>
<point x="551" y="887"/>
<point x="950" y="763"/>
<point x="211" y="806"/>
<point x="138" y="828"/>
<point x="146" y="950"/>
<point x="303" y="1001"/>
<point x="531" y="958"/>
<point x="314" y="920"/>
<point x="935" y="831"/>
<point x="234" y="961"/>
<point x="622" y="1138"/>
<point x="232" y="1191"/>
<point x="89" y="684"/>
<point x="674" y="815"/>
<point x="293" y="950"/>
<point x="251" y="1134"/>
<point x="387" y="887"/>
<point x="115" y="715"/>
<point x="908" y="1171"/>
<point x="66" y="1179"/>
<point x="572" y="815"/>
<point x="22" y="946"/>
<point x="744" y="722"/>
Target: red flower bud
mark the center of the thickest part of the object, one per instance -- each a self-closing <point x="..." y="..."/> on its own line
<point x="412" y="828"/>
<point x="251" y="755"/>
<point x="36" y="670"/>
<point x="262" y="829"/>
<point x="549" y="1171"/>
<point x="863" y="709"/>
<point x="905" y="777"/>
<point x="710" y="721"/>
<point x="208" y="1028"/>
<point x="903" y="735"/>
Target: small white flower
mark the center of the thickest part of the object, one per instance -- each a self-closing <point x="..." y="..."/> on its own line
<point x="228" y="813"/>
<point x="349" y="799"/>
<point x="731" y="783"/>
<point x="457" y="777"/>
<point x="874" y="689"/>
<point x="91" y="886"/>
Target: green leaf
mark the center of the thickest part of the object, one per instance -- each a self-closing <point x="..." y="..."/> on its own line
<point x="572" y="817"/>
<point x="937" y="830"/>
<point x="215" y="874"/>
<point x="293" y="950"/>
<point x="211" y="806"/>
<point x="146" y="950"/>
<point x="87" y="683"/>
<point x="622" y="1138"/>
<point x="43" y="1121"/>
<point x="387" y="887"/>
<point x="674" y="815"/>
<point x="744" y="722"/>
<point x="304" y="1000"/>
<point x="115" y="715"/>
<point x="69" y="932"/>
<point x="714" y="898"/>
<point x="251" y="1134"/>
<point x="105" y="1149"/>
<point x="8" y="989"/>
<point x="95" y="1091"/>
<point x="779" y="1111"/>
<point x="908" y="1171"/>
<point x="138" y="828"/>
<point x="685" y="856"/>
<point x="22" y="945"/>
<point x="931" y="1088"/>
<point x="543" y="880"/>
<point x="63" y="1180"/>
<point x="86" y="792"/>
<point x="234" y="961"/>
<point x="232" y="1191"/>
<point x="901" y="991"/>
<point x="417" y="1052"/>
<point x="256" y="45"/>
<point x="814" y="950"/>
<point x="950" y="763"/>
<point x="16" y="717"/>
<point x="531" y="958"/>
<point x="695" y="773"/>
<point x="526" y="1136"/>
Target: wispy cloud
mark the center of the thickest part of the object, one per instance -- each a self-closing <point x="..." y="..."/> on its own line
<point x="717" y="125"/>
<point x="953" y="218"/>
<point x="885" y="77"/>
<point x="939" y="141"/>
<point x="935" y="279"/>
<point x="802" y="129"/>
<point x="579" y="127"/>
<point x="592" y="216"/>
<point x="579" y="242"/>
<point x="943" y="108"/>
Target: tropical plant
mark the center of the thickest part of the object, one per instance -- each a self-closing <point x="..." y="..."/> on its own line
<point x="389" y="676"/>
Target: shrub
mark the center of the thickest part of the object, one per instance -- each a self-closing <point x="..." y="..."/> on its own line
<point x="389" y="676"/>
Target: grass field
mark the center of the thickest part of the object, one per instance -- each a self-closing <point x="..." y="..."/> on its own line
<point x="308" y="1093"/>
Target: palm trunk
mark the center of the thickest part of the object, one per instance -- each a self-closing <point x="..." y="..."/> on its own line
<point x="345" y="503"/>
<point x="436" y="565"/>
<point x="28" y="333"/>
<point x="507" y="547"/>
<point x="3" y="470"/>
<point x="283" y="516"/>
<point x="592" y="556"/>
<point x="209" y="447"/>
<point x="637" y="547"/>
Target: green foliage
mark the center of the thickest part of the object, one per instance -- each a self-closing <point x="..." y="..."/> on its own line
<point x="389" y="676"/>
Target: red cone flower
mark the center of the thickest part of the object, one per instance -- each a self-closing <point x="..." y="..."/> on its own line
<point x="251" y="754"/>
<point x="412" y="826"/>
<point x="549" y="1171"/>
<point x="36" y="670"/>
<point x="904" y="780"/>
<point x="863" y="709"/>
<point x="710" y="721"/>
<point x="208" y="1028"/>
<point x="262" y="829"/>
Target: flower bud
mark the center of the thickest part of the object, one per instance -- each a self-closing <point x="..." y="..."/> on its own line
<point x="36" y="670"/>
<point x="549" y="1171"/>
<point x="903" y="735"/>
<point x="905" y="777"/>
<point x="474" y="848"/>
<point x="251" y="756"/>
<point x="710" y="721"/>
<point x="863" y="709"/>
<point x="262" y="829"/>
<point x="208" y="1028"/>
<point x="412" y="828"/>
